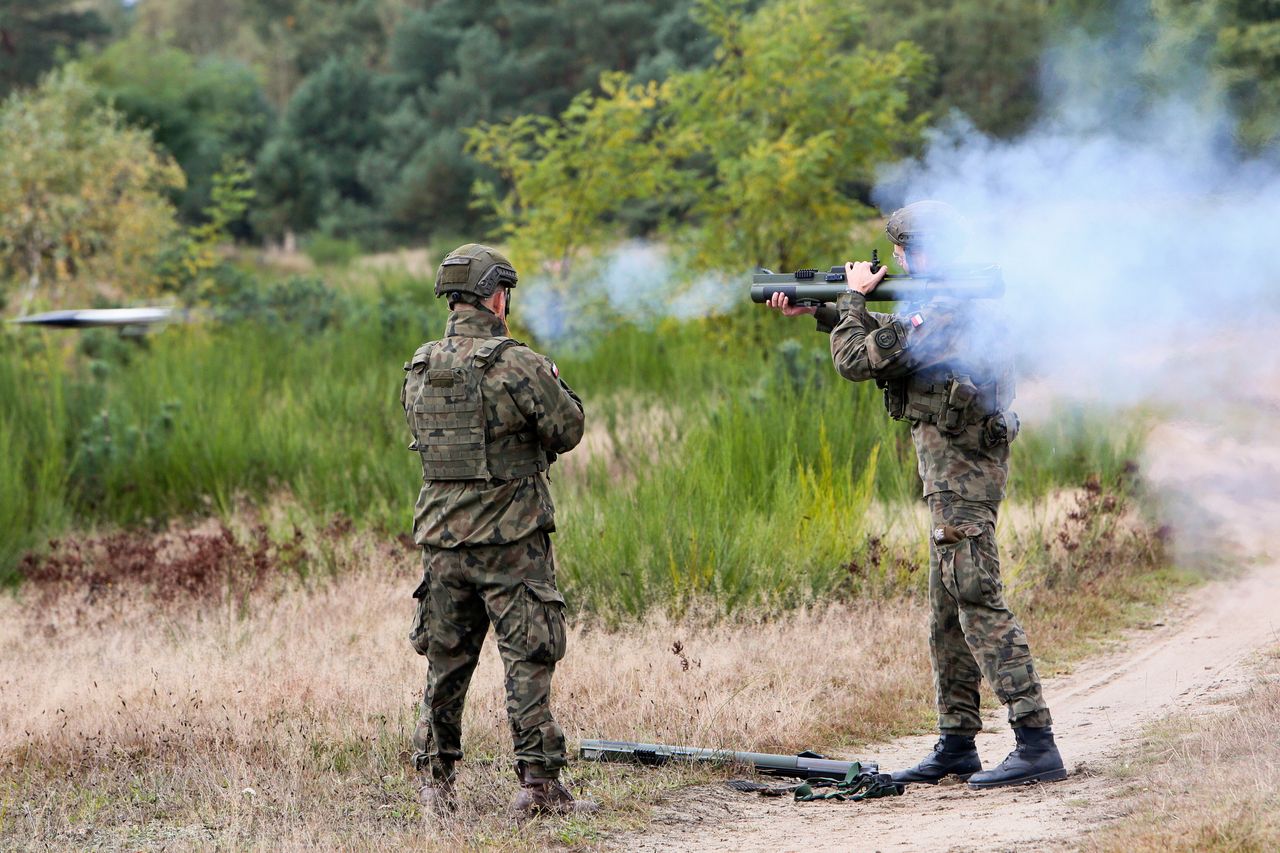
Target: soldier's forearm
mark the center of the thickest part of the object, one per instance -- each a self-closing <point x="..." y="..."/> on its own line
<point x="828" y="316"/>
<point x="849" y="337"/>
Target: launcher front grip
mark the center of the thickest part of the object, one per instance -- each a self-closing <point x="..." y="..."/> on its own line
<point x="810" y="287"/>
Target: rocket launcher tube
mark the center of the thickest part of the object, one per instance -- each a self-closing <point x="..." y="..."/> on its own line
<point x="811" y="287"/>
<point x="806" y="765"/>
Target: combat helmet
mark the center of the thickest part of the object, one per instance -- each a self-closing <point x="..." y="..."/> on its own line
<point x="932" y="226"/>
<point x="476" y="270"/>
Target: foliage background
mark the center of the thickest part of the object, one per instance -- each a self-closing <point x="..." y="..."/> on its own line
<point x="353" y="113"/>
<point x="169" y="140"/>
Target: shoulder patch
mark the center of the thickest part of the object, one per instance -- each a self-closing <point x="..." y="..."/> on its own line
<point x="917" y="320"/>
<point x="555" y="371"/>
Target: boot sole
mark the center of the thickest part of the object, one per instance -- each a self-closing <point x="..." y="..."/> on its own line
<point x="1046" y="776"/>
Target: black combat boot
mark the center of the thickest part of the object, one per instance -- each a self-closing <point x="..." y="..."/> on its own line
<point x="541" y="793"/>
<point x="1034" y="759"/>
<point x="953" y="755"/>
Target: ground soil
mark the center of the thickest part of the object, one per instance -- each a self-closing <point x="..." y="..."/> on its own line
<point x="1220" y="484"/>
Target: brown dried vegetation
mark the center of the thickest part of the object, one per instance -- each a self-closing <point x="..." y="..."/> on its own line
<point x="179" y="563"/>
<point x="228" y="686"/>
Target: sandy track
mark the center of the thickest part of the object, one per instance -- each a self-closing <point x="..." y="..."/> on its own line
<point x="1197" y="655"/>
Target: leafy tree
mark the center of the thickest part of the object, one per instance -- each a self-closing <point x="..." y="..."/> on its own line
<point x="34" y="32"/>
<point x="205" y="113"/>
<point x="1216" y="52"/>
<point x="759" y="159"/>
<point x="452" y="68"/>
<point x="438" y="67"/>
<point x="285" y="39"/>
<point x="308" y="175"/>
<point x="82" y="194"/>
<point x="1248" y="54"/>
<point x="984" y="55"/>
<point x="567" y="180"/>
<point x="189" y="264"/>
<point x="789" y="147"/>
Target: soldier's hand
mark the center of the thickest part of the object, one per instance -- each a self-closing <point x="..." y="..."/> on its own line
<point x="860" y="278"/>
<point x="780" y="302"/>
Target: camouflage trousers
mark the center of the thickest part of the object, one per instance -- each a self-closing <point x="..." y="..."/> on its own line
<point x="972" y="633"/>
<point x="463" y="592"/>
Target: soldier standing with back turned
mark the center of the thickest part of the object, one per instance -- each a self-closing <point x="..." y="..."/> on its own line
<point x="488" y="415"/>
<point x="944" y="369"/>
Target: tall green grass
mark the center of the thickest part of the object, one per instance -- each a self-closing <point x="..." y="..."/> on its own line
<point x="760" y="496"/>
<point x="35" y="444"/>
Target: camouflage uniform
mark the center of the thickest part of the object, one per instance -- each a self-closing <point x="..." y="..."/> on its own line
<point x="942" y="369"/>
<point x="487" y="554"/>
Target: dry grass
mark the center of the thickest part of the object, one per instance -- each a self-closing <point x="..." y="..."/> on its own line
<point x="277" y="714"/>
<point x="1208" y="783"/>
<point x="285" y="721"/>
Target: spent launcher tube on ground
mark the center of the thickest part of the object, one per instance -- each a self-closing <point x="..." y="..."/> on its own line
<point x="806" y="765"/>
<point x="811" y="287"/>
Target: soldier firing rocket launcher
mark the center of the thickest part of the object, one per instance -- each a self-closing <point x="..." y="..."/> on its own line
<point x="811" y="287"/>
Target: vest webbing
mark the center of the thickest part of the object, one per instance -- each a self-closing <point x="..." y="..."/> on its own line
<point x="926" y="399"/>
<point x="447" y="416"/>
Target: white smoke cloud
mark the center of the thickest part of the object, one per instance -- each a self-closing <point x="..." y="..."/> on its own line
<point x="1130" y="228"/>
<point x="638" y="281"/>
<point x="1141" y="250"/>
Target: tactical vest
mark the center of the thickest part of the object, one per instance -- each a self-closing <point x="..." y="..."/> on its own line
<point x="444" y="395"/>
<point x="951" y="401"/>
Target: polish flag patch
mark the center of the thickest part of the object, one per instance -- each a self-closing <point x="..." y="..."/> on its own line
<point x="555" y="371"/>
<point x="917" y="321"/>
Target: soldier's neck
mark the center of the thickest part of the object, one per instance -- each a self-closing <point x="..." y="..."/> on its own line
<point x="476" y="321"/>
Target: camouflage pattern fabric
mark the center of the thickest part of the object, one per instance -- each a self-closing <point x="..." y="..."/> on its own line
<point x="464" y="590"/>
<point x="940" y="338"/>
<point x="522" y="393"/>
<point x="960" y="463"/>
<point x="971" y="631"/>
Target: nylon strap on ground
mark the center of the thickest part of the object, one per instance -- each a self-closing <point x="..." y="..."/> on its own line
<point x="857" y="785"/>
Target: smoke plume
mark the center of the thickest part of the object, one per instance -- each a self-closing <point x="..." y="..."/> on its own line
<point x="1131" y="229"/>
<point x="1140" y="251"/>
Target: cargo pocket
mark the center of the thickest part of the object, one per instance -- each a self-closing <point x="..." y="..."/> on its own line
<point x="418" y="635"/>
<point x="544" y="622"/>
<point x="976" y="582"/>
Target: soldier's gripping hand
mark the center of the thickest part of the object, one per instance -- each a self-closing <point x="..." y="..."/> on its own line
<point x="859" y="277"/>
<point x="779" y="302"/>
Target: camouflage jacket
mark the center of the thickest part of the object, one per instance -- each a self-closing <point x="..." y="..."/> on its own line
<point x="945" y="337"/>
<point x="522" y="392"/>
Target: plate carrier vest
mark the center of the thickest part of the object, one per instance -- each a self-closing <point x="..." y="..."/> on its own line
<point x="445" y="394"/>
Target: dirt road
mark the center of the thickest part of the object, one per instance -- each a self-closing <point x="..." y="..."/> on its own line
<point x="1198" y="654"/>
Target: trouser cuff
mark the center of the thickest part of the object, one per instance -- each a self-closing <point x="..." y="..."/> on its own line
<point x="1035" y="720"/>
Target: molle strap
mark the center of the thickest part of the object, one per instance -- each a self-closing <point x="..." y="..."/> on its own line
<point x="446" y="411"/>
<point x="926" y="400"/>
<point x="421" y="356"/>
<point x="489" y="351"/>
